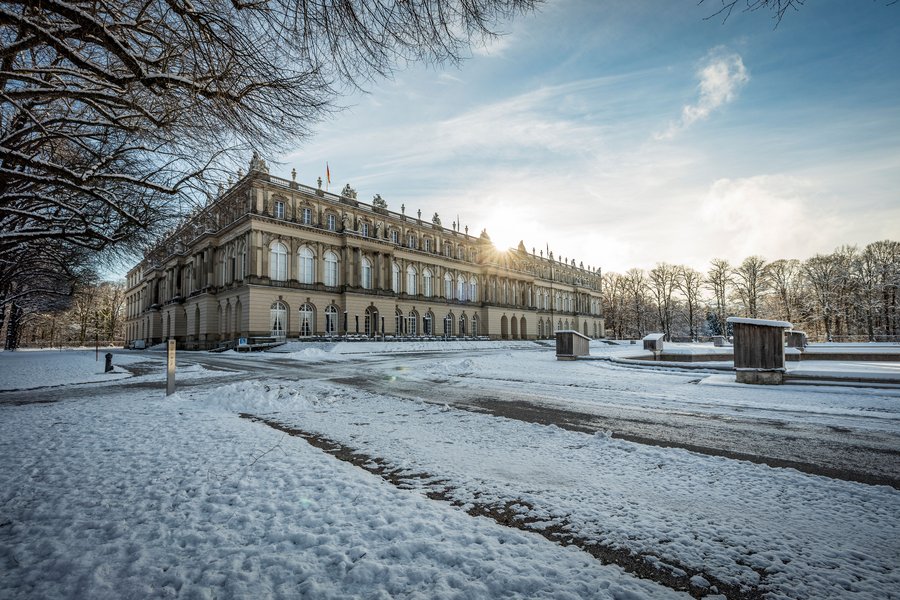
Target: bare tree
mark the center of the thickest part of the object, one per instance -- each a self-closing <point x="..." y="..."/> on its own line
<point x="689" y="282"/>
<point x="750" y="282"/>
<point x="635" y="284"/>
<point x="661" y="282"/>
<point x="614" y="307"/>
<point x="783" y="276"/>
<point x="116" y="116"/>
<point x="822" y="273"/>
<point x="719" y="282"/>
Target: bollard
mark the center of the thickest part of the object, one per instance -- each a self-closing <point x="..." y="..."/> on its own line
<point x="109" y="366"/>
<point x="170" y="368"/>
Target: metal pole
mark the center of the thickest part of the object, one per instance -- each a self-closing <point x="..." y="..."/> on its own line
<point x="170" y="368"/>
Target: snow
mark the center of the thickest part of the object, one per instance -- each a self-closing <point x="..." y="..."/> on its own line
<point x="763" y="322"/>
<point x="131" y="494"/>
<point x="22" y="369"/>
<point x="710" y="514"/>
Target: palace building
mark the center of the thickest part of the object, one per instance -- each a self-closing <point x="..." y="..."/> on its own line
<point x="270" y="258"/>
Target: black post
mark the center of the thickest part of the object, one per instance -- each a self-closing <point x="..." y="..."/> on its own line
<point x="109" y="366"/>
<point x="357" y="323"/>
<point x="345" y="323"/>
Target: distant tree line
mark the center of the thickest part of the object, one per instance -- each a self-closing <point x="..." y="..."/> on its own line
<point x="95" y="312"/>
<point x="850" y="293"/>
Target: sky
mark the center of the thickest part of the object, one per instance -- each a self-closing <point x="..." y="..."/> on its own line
<point x="623" y="134"/>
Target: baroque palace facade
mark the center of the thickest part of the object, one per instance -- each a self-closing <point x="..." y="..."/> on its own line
<point x="271" y="258"/>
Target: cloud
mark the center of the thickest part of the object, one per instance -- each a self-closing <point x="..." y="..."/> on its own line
<point x="777" y="216"/>
<point x="721" y="77"/>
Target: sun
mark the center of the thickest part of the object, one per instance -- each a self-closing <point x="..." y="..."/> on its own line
<point x="505" y="233"/>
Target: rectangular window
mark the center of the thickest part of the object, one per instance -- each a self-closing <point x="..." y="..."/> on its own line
<point x="331" y="221"/>
<point x="395" y="237"/>
<point x="427" y="245"/>
<point x="306" y="216"/>
<point x="279" y="210"/>
<point x="365" y="230"/>
<point x="411" y="241"/>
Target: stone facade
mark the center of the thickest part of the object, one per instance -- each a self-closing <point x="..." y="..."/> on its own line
<point x="271" y="258"/>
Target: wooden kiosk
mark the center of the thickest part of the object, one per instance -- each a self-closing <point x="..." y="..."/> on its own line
<point x="759" y="350"/>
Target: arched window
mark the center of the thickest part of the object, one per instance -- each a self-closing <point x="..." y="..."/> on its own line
<point x="412" y="320"/>
<point x="306" y="265"/>
<point x="461" y="288"/>
<point x="448" y="324"/>
<point x="566" y="303"/>
<point x="398" y="322"/>
<point x="278" y="319"/>
<point x="473" y="289"/>
<point x="307" y="320"/>
<point x="411" y="277"/>
<point x="241" y="262"/>
<point x="395" y="278"/>
<point x="278" y="262"/>
<point x="331" y="269"/>
<point x="221" y="268"/>
<point x="331" y="320"/>
<point x="366" y="274"/>
<point x="370" y="324"/>
<point x="448" y="286"/>
<point x="427" y="283"/>
<point x="428" y="324"/>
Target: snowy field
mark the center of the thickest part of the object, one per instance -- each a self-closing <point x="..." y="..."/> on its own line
<point x="130" y="494"/>
<point x="28" y="369"/>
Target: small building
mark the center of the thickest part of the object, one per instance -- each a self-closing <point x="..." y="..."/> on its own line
<point x="654" y="342"/>
<point x="571" y="344"/>
<point x="759" y="350"/>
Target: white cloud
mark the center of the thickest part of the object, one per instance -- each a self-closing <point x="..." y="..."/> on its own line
<point x="776" y="216"/>
<point x="721" y="77"/>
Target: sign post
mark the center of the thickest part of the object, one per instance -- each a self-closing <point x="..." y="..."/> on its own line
<point x="170" y="369"/>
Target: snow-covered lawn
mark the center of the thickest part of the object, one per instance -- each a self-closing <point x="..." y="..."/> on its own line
<point x="134" y="495"/>
<point x="28" y="369"/>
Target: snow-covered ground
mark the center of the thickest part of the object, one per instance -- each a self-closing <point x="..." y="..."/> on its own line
<point x="28" y="369"/>
<point x="135" y="495"/>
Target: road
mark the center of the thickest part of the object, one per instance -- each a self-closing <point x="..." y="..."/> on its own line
<point x="864" y="449"/>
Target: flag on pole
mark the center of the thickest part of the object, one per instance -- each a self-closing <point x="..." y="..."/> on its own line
<point x="327" y="174"/>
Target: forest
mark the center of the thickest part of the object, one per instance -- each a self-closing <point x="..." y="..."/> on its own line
<point x="847" y="295"/>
